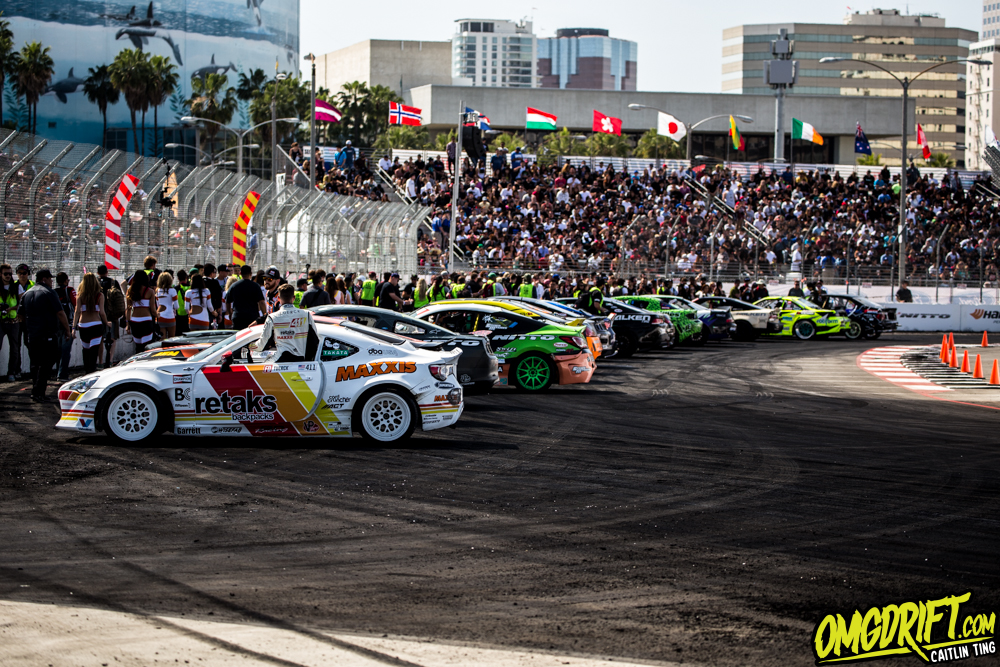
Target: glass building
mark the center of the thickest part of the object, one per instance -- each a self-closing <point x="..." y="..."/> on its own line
<point x="494" y="53"/>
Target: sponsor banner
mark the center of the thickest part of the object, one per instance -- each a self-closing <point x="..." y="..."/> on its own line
<point x="946" y="317"/>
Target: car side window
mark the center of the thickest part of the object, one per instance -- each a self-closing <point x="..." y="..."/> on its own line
<point x="407" y="329"/>
<point x="335" y="350"/>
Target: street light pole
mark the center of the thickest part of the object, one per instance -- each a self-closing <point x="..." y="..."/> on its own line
<point x="312" y="125"/>
<point x="457" y="165"/>
<point x="905" y="83"/>
<point x="274" y="128"/>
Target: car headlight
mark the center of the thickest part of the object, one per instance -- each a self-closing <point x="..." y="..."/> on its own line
<point x="83" y="384"/>
<point x="442" y="371"/>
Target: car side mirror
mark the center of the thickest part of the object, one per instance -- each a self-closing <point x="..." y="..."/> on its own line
<point x="227" y="361"/>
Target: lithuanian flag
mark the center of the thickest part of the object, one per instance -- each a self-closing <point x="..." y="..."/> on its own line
<point x="734" y="132"/>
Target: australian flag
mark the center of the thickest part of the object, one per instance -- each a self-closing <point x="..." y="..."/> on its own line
<point x="861" y="144"/>
<point x="484" y="122"/>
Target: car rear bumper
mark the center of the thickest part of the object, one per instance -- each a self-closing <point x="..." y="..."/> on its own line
<point x="575" y="368"/>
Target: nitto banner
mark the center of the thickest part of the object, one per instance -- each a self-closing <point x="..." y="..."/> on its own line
<point x="946" y="317"/>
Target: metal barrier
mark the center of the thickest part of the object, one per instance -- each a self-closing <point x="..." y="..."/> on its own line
<point x="54" y="196"/>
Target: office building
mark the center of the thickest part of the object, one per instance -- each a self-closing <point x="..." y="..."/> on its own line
<point x="981" y="102"/>
<point x="396" y="64"/>
<point x="494" y="53"/>
<point x="904" y="44"/>
<point x="586" y="58"/>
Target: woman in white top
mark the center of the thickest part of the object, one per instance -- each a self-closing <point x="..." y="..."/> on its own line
<point x="139" y="315"/>
<point x="90" y="320"/>
<point x="166" y="305"/>
<point x="199" y="304"/>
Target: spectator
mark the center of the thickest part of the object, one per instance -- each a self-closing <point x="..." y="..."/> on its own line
<point x="139" y="312"/>
<point x="200" y="308"/>
<point x="90" y="321"/>
<point x="67" y="299"/>
<point x="9" y="326"/>
<point x="389" y="297"/>
<point x="43" y="314"/>
<point x="166" y="305"/>
<point x="903" y="294"/>
<point x="245" y="300"/>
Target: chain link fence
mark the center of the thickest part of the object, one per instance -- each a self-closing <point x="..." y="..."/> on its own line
<point x="54" y="196"/>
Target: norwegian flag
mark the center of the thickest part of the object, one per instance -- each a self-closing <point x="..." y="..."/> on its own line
<point x="400" y="114"/>
<point x="922" y="142"/>
<point x="113" y="220"/>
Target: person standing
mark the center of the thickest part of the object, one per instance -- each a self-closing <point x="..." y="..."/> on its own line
<point x="289" y="328"/>
<point x="23" y="285"/>
<point x="245" y="300"/>
<point x="421" y="295"/>
<point x="368" y="290"/>
<point x="315" y="295"/>
<point x="9" y="326"/>
<point x="182" y="286"/>
<point x="214" y="288"/>
<point x="166" y="305"/>
<point x="796" y="290"/>
<point x="139" y="310"/>
<point x="43" y="314"/>
<point x="67" y="298"/>
<point x="903" y="294"/>
<point x="90" y="321"/>
<point x="114" y="311"/>
<point x="390" y="298"/>
<point x="199" y="305"/>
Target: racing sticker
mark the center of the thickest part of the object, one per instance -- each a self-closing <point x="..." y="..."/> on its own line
<point x="374" y="368"/>
<point x="334" y="349"/>
<point x="181" y="397"/>
<point x="251" y="394"/>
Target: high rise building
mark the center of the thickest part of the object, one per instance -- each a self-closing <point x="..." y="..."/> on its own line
<point x="494" y="53"/>
<point x="981" y="101"/>
<point x="904" y="44"/>
<point x="587" y="58"/>
<point x="991" y="20"/>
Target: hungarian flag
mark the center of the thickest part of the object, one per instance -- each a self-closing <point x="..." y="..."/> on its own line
<point x="861" y="144"/>
<point x="607" y="124"/>
<point x="400" y="114"/>
<point x="922" y="142"/>
<point x="539" y="120"/>
<point x="668" y="126"/>
<point x="734" y="133"/>
<point x="805" y="131"/>
<point x="326" y="113"/>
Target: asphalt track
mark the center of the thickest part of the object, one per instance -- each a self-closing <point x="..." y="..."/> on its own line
<point x="705" y="506"/>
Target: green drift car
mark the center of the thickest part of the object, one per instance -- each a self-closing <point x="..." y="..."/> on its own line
<point x="533" y="352"/>
<point x="803" y="319"/>
<point x="687" y="327"/>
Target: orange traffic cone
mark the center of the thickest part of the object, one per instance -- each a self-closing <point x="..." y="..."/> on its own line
<point x="977" y="372"/>
<point x="954" y="358"/>
<point x="943" y="356"/>
<point x="995" y="375"/>
<point x="965" y="361"/>
<point x="951" y="339"/>
<point x="986" y="343"/>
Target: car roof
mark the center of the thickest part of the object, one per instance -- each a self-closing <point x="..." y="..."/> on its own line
<point x="453" y="304"/>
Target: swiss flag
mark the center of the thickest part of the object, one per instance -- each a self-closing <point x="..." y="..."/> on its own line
<point x="922" y="142"/>
<point x="607" y="124"/>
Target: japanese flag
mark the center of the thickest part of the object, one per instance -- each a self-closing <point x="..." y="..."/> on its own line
<point x="668" y="126"/>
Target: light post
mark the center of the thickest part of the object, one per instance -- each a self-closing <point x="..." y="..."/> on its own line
<point x="905" y="83"/>
<point x="212" y="158"/>
<point x="937" y="262"/>
<point x="239" y="135"/>
<point x="688" y="129"/>
<point x="312" y="123"/>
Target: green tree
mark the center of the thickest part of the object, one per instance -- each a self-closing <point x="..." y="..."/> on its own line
<point x="870" y="160"/>
<point x="403" y="136"/>
<point x="285" y="98"/>
<point x="213" y="99"/>
<point x="658" y="147"/>
<point x="507" y="140"/>
<point x="100" y="91"/>
<point x="940" y="160"/>
<point x="8" y="57"/>
<point x="130" y="73"/>
<point x="352" y="102"/>
<point x="607" y="145"/>
<point x="442" y="140"/>
<point x="377" y="111"/>
<point x="161" y="86"/>
<point x="563" y="143"/>
<point x="34" y="71"/>
<point x="250" y="87"/>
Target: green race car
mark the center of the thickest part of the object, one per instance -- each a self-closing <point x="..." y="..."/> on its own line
<point x="803" y="319"/>
<point x="533" y="352"/>
<point x="687" y="327"/>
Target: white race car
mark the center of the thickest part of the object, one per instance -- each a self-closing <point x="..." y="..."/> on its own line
<point x="359" y="380"/>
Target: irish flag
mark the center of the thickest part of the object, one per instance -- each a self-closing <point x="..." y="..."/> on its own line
<point x="539" y="120"/>
<point x="805" y="131"/>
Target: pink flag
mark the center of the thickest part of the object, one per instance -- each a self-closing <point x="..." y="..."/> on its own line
<point x="112" y="222"/>
<point x="326" y="113"/>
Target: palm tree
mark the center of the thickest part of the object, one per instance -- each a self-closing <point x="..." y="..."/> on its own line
<point x="442" y="140"/>
<point x="8" y="57"/>
<point x="100" y="91"/>
<point x="404" y="137"/>
<point x="34" y="71"/>
<point x="377" y="110"/>
<point x="870" y="160"/>
<point x="940" y="160"/>
<point x="609" y="145"/>
<point x="562" y="143"/>
<point x="507" y="140"/>
<point x="211" y="98"/>
<point x="657" y="146"/>
<point x="250" y="87"/>
<point x="130" y="74"/>
<point x="352" y="101"/>
<point x="162" y="86"/>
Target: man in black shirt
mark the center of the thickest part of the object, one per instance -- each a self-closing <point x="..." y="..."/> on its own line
<point x="903" y="294"/>
<point x="315" y="295"/>
<point x="42" y="314"/>
<point x="245" y="300"/>
<point x="389" y="297"/>
<point x="213" y="287"/>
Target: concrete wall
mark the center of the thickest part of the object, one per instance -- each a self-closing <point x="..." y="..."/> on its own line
<point x="831" y="115"/>
<point x="386" y="63"/>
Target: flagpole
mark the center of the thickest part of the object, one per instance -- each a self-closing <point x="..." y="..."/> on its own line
<point x="457" y="164"/>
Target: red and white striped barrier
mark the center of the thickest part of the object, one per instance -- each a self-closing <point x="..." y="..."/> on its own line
<point x="112" y="222"/>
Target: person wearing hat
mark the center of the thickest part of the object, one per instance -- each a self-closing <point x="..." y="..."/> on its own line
<point x="349" y="154"/>
<point x="272" y="281"/>
<point x="43" y="314"/>
<point x="390" y="298"/>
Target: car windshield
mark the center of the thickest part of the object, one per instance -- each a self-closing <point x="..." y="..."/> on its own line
<point x="209" y="352"/>
<point x="806" y="303"/>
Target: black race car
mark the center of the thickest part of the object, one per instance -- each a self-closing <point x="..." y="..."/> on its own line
<point x="635" y="329"/>
<point x="478" y="368"/>
<point x="868" y="319"/>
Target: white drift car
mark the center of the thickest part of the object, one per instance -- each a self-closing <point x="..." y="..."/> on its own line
<point x="360" y="380"/>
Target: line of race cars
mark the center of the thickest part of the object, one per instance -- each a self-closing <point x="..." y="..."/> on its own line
<point x="381" y="374"/>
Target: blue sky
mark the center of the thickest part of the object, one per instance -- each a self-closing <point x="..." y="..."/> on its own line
<point x="679" y="43"/>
